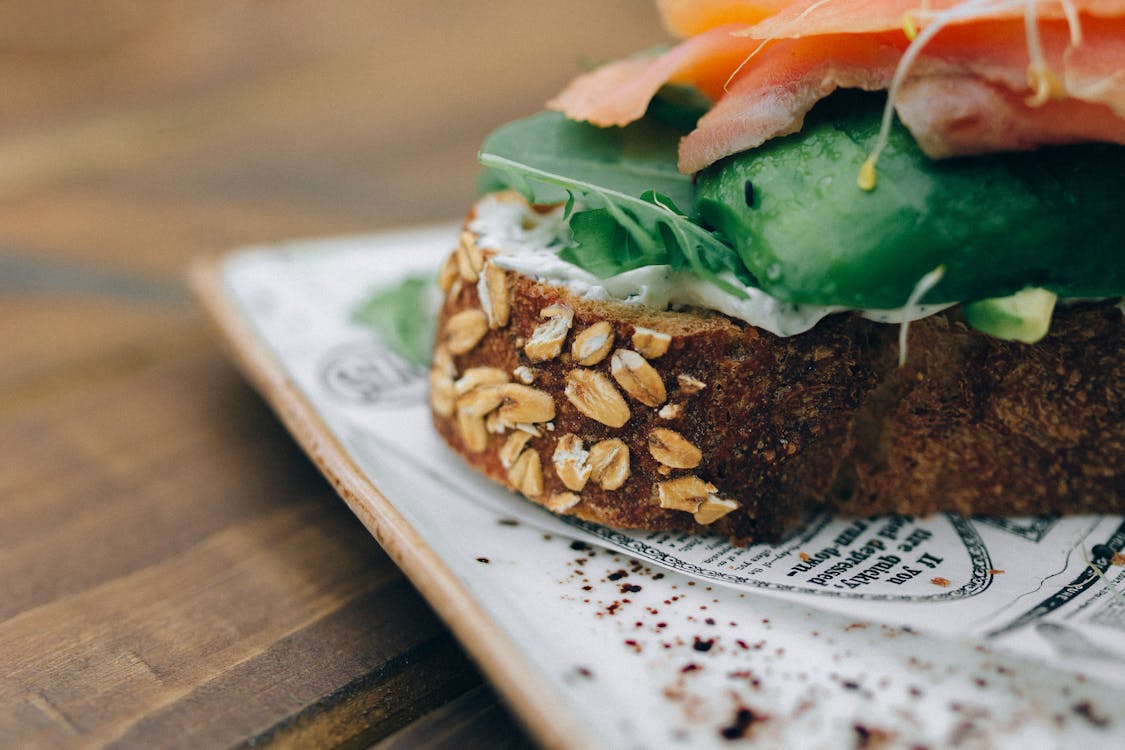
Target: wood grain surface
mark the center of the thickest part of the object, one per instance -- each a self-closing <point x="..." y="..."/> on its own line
<point x="173" y="571"/>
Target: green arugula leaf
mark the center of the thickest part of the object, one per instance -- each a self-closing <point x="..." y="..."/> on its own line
<point x="404" y="316"/>
<point x="679" y="105"/>
<point x="622" y="189"/>
<point x="627" y="160"/>
<point x="604" y="247"/>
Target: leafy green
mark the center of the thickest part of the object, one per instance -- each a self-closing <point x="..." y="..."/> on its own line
<point x="623" y="192"/>
<point x="404" y="316"/>
<point x="627" y="160"/>
<point x="679" y="105"/>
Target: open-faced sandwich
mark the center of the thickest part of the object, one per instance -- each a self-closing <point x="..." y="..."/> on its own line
<point x="858" y="254"/>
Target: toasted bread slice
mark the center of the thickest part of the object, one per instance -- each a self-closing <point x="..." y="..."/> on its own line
<point x="690" y="420"/>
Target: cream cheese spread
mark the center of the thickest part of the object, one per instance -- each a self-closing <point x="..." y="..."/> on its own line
<point x="528" y="242"/>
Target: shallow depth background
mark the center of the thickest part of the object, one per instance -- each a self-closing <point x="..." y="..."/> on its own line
<point x="171" y="568"/>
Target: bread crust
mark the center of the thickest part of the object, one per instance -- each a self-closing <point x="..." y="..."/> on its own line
<point x="744" y="433"/>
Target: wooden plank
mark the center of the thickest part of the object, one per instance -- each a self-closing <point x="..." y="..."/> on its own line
<point x="53" y="341"/>
<point x="61" y="64"/>
<point x="328" y="139"/>
<point x="159" y="224"/>
<point x="385" y="672"/>
<point x="386" y="699"/>
<point x="473" y="720"/>
<point x="170" y="563"/>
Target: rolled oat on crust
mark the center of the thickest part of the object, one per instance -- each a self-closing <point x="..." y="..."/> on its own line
<point x="689" y="420"/>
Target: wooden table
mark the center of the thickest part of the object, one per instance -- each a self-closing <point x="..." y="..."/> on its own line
<point x="172" y="570"/>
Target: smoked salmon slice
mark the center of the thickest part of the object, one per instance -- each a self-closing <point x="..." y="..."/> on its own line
<point x="772" y="96"/>
<point x="619" y="93"/>
<point x="815" y="17"/>
<point x="966" y="90"/>
<point x="685" y="18"/>
<point x="966" y="94"/>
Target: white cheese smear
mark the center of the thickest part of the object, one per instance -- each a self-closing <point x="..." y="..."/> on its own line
<point x="528" y="242"/>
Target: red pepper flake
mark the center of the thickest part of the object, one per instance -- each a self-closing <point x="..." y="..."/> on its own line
<point x="629" y="588"/>
<point x="939" y="581"/>
<point x="870" y="737"/>
<point x="1086" y="710"/>
<point x="739" y="728"/>
<point x="691" y="667"/>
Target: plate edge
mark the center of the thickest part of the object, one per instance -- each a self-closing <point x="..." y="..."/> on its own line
<point x="539" y="708"/>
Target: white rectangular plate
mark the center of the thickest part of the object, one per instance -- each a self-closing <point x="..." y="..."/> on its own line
<point x="604" y="640"/>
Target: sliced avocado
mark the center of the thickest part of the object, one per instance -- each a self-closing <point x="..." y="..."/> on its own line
<point x="997" y="222"/>
<point x="1024" y="316"/>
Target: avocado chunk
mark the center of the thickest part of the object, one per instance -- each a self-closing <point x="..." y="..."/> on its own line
<point x="1024" y="316"/>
